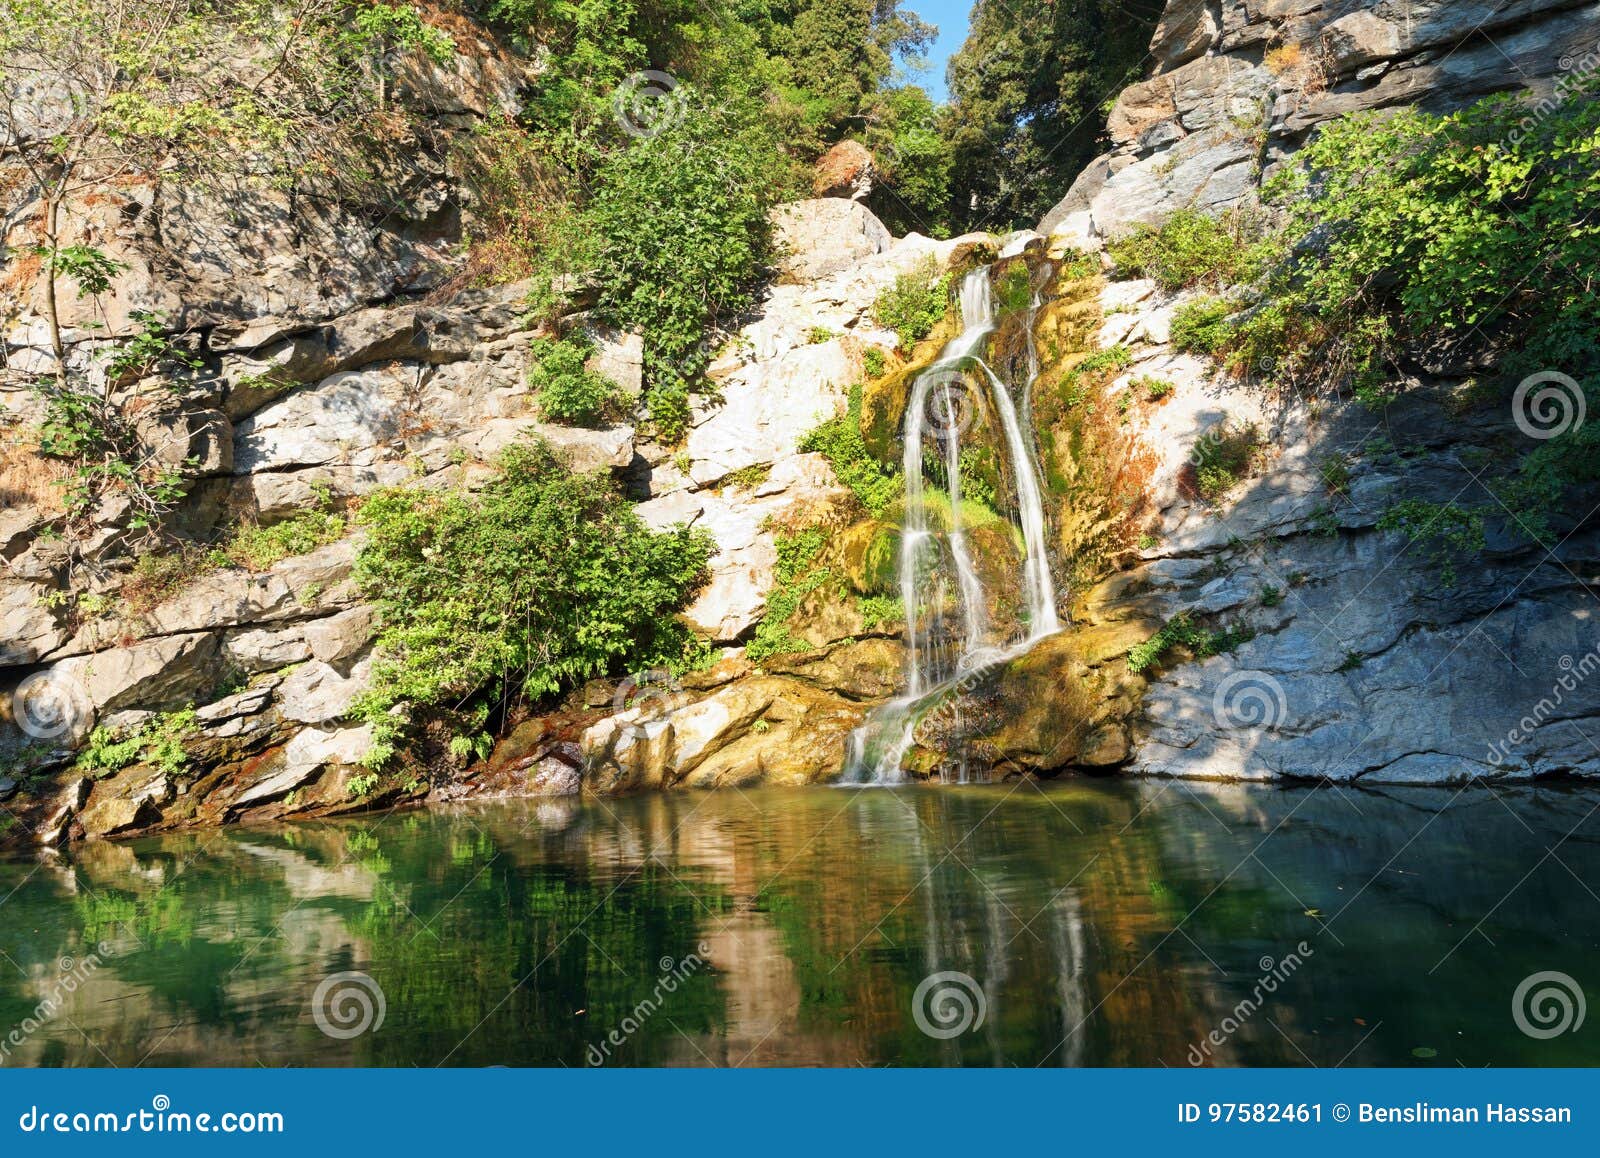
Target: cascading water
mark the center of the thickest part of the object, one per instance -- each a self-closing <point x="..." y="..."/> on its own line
<point x="939" y="660"/>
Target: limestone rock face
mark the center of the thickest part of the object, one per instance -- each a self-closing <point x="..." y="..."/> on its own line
<point x="759" y="730"/>
<point x="825" y="236"/>
<point x="1355" y="661"/>
<point x="1219" y="113"/>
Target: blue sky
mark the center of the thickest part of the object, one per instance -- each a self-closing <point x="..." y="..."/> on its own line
<point x="951" y="17"/>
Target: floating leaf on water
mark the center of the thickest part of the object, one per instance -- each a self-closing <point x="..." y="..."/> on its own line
<point x="1424" y="1051"/>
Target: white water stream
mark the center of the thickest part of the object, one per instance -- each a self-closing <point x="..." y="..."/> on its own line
<point x="935" y="559"/>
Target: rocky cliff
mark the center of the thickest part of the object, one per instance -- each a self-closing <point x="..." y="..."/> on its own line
<point x="1364" y="663"/>
<point x="334" y="353"/>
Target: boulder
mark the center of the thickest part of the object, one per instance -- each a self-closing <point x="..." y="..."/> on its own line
<point x="755" y="730"/>
<point x="161" y="674"/>
<point x="824" y="236"/>
<point x="846" y="170"/>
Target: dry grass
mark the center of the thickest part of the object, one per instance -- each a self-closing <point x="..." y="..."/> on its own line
<point x="27" y="478"/>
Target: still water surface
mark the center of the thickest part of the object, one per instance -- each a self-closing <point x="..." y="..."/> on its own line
<point x="1101" y="923"/>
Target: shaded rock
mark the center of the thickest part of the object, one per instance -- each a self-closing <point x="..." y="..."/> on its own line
<point x="155" y="674"/>
<point x="119" y="814"/>
<point x="28" y="629"/>
<point x="340" y="637"/>
<point x="316" y="692"/>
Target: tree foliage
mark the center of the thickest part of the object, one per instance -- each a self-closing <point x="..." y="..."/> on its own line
<point x="1030" y="91"/>
<point x="543" y="579"/>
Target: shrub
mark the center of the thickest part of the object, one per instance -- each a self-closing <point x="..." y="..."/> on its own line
<point x="914" y="304"/>
<point x="1222" y="457"/>
<point x="1154" y="389"/>
<point x="839" y="440"/>
<point x="568" y="391"/>
<point x="1191" y="248"/>
<point x="258" y="548"/>
<point x="1182" y="631"/>
<point x="1441" y="531"/>
<point x="1422" y="223"/>
<point x="543" y="579"/>
<point x="1201" y="326"/>
<point x="160" y="740"/>
<point x="877" y="610"/>
<point x="681" y="238"/>
<point x="795" y="580"/>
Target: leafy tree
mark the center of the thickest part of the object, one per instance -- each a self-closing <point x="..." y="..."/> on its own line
<point x="543" y="579"/>
<point x="1030" y="91"/>
<point x="98" y="93"/>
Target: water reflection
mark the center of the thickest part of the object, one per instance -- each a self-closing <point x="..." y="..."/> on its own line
<point x="1106" y="923"/>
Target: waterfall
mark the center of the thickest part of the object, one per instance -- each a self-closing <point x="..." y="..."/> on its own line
<point x="941" y="661"/>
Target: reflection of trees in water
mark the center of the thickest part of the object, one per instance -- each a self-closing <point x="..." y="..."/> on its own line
<point x="1106" y="924"/>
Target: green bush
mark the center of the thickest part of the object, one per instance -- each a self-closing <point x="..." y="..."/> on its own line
<point x="1412" y="226"/>
<point x="258" y="548"/>
<point x="543" y="579"/>
<point x="839" y="440"/>
<point x="1192" y="248"/>
<point x="567" y="390"/>
<point x="914" y="304"/>
<point x="1442" y="532"/>
<point x="796" y="578"/>
<point x="681" y="238"/>
<point x="1201" y="326"/>
<point x="1222" y="457"/>
<point x="1182" y="631"/>
<point x="160" y="741"/>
